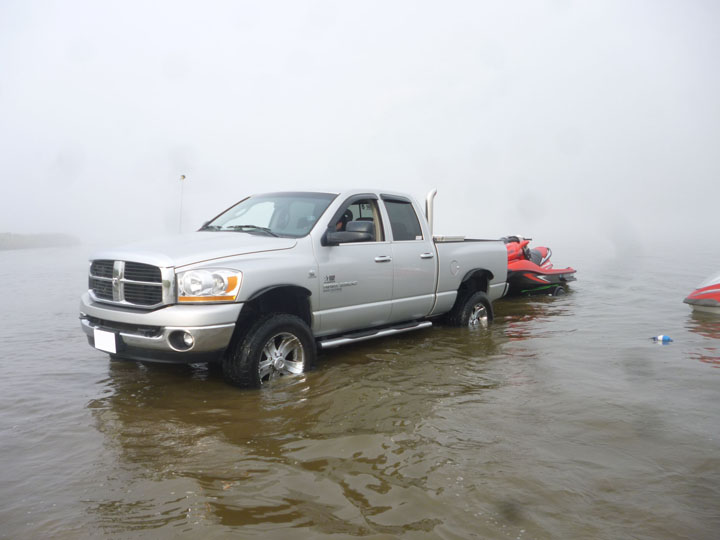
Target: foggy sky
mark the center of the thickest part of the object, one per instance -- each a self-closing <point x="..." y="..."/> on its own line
<point x="559" y="120"/>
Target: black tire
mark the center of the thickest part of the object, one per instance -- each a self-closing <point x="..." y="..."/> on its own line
<point x="215" y="368"/>
<point x="251" y="362"/>
<point x="119" y="359"/>
<point x="558" y="291"/>
<point x="472" y="310"/>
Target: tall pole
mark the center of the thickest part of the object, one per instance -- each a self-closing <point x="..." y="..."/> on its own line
<point x="182" y="177"/>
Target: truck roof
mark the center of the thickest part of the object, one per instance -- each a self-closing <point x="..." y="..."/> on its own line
<point x="343" y="194"/>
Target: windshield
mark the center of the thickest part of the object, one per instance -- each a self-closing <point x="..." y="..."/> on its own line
<point x="710" y="281"/>
<point x="273" y="214"/>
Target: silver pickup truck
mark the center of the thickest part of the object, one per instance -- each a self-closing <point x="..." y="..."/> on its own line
<point x="262" y="285"/>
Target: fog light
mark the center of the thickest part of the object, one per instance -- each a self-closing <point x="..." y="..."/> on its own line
<point x="181" y="340"/>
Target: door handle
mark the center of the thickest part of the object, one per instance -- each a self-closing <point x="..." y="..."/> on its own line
<point x="383" y="258"/>
<point x="428" y="255"/>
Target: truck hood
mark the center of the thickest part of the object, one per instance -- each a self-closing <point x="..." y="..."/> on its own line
<point x="197" y="247"/>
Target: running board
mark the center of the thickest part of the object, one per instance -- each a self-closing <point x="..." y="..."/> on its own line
<point x="372" y="334"/>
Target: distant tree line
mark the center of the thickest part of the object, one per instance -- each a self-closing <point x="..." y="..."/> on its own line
<point x="27" y="241"/>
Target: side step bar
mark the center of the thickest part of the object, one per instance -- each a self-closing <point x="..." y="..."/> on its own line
<point x="372" y="334"/>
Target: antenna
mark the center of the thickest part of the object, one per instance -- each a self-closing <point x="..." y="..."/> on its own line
<point x="182" y="177"/>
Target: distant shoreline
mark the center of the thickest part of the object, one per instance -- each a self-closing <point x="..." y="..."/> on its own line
<point x="9" y="241"/>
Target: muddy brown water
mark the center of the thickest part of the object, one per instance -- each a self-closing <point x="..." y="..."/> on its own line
<point x="562" y="421"/>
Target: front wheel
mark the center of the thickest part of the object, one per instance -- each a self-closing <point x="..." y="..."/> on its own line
<point x="275" y="346"/>
<point x="473" y="311"/>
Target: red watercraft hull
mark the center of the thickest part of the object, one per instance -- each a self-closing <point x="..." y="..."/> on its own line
<point x="706" y="297"/>
<point x="531" y="272"/>
<point x="529" y="279"/>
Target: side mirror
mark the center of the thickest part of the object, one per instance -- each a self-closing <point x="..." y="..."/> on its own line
<point x="356" y="231"/>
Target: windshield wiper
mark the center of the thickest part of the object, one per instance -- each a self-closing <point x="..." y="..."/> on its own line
<point x="207" y="227"/>
<point x="251" y="227"/>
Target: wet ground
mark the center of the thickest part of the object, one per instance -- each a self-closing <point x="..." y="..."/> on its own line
<point x="562" y="421"/>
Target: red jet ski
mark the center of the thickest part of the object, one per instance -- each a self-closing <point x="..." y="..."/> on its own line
<point x="530" y="270"/>
<point x="706" y="297"/>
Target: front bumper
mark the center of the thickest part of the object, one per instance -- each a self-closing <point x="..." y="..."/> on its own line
<point x="154" y="336"/>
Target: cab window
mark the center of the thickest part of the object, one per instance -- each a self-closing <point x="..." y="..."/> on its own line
<point x="362" y="210"/>
<point x="403" y="221"/>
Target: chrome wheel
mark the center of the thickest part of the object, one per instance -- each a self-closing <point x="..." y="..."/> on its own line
<point x="277" y="344"/>
<point x="471" y="310"/>
<point x="478" y="316"/>
<point x="283" y="354"/>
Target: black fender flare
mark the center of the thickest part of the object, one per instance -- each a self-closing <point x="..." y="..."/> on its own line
<point x="265" y="290"/>
<point x="275" y="298"/>
<point x="478" y="276"/>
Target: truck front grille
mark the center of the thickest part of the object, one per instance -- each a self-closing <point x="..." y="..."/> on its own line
<point x="142" y="295"/>
<point x="101" y="269"/>
<point x="142" y="272"/>
<point x="130" y="284"/>
<point x="102" y="288"/>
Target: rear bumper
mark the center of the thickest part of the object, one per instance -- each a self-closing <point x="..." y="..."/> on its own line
<point x="155" y="336"/>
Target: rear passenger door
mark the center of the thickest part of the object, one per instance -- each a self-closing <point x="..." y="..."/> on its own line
<point x="414" y="261"/>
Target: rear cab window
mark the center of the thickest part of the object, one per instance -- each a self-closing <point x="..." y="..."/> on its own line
<point x="403" y="219"/>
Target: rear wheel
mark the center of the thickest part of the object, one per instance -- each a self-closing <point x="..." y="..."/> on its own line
<point x="473" y="311"/>
<point x="275" y="346"/>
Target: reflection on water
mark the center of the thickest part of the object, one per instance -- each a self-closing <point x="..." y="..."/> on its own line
<point x="523" y="315"/>
<point x="708" y="326"/>
<point x="346" y="449"/>
<point x="563" y="420"/>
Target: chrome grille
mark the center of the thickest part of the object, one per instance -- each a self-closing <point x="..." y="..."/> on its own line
<point x="142" y="295"/>
<point x="142" y="272"/>
<point x="102" y="288"/>
<point x="101" y="269"/>
<point x="130" y="284"/>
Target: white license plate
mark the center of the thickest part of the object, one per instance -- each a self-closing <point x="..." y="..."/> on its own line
<point x="105" y="341"/>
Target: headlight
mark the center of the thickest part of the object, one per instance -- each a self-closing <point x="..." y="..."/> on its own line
<point x="208" y="285"/>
